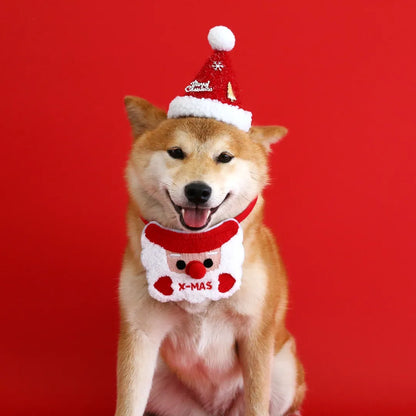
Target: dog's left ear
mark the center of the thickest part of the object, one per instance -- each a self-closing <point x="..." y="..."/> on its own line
<point x="142" y="115"/>
<point x="267" y="135"/>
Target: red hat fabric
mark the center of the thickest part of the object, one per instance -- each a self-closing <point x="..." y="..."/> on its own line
<point x="214" y="92"/>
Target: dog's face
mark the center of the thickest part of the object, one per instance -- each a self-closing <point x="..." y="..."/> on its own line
<point x="191" y="173"/>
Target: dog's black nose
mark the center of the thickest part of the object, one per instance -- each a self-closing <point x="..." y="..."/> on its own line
<point x="197" y="192"/>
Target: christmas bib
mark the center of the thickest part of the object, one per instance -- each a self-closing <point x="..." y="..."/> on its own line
<point x="193" y="266"/>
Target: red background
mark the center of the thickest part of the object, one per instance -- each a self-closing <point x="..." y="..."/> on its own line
<point x="339" y="74"/>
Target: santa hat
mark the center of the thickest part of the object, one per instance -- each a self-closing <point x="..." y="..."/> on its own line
<point x="214" y="91"/>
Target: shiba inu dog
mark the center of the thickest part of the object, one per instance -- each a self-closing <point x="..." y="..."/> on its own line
<point x="203" y="291"/>
<point x="228" y="357"/>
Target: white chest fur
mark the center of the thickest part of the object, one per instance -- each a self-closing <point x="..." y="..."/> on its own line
<point x="202" y="352"/>
<point x="205" y="338"/>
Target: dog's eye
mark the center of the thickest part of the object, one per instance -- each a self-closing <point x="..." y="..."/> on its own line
<point x="176" y="153"/>
<point x="224" y="157"/>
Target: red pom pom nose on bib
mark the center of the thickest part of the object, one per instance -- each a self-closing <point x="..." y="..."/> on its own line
<point x="195" y="269"/>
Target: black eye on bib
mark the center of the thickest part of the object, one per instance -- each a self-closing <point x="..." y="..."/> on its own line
<point x="180" y="264"/>
<point x="208" y="263"/>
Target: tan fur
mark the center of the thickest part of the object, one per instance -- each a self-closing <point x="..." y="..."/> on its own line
<point x="200" y="356"/>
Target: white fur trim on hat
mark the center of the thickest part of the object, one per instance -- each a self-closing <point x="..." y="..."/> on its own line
<point x="206" y="107"/>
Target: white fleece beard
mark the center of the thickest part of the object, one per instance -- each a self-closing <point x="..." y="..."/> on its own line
<point x="222" y="281"/>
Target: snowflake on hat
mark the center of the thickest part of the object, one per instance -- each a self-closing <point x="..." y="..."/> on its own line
<point x="193" y="266"/>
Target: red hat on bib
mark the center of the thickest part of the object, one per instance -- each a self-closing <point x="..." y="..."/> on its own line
<point x="214" y="92"/>
<point x="180" y="242"/>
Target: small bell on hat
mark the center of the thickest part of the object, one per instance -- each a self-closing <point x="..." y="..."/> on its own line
<point x="214" y="92"/>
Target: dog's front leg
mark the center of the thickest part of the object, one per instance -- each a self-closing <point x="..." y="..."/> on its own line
<point x="137" y="355"/>
<point x="256" y="354"/>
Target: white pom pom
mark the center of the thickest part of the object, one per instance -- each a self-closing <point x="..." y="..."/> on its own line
<point x="221" y="38"/>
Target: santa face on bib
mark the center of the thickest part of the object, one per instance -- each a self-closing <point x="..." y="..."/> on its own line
<point x="193" y="266"/>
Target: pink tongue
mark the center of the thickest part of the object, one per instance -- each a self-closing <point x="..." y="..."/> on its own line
<point x="195" y="217"/>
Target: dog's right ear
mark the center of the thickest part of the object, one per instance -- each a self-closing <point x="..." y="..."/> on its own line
<point x="142" y="115"/>
<point x="267" y="135"/>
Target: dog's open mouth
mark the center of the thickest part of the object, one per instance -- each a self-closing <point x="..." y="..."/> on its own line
<point x="197" y="217"/>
